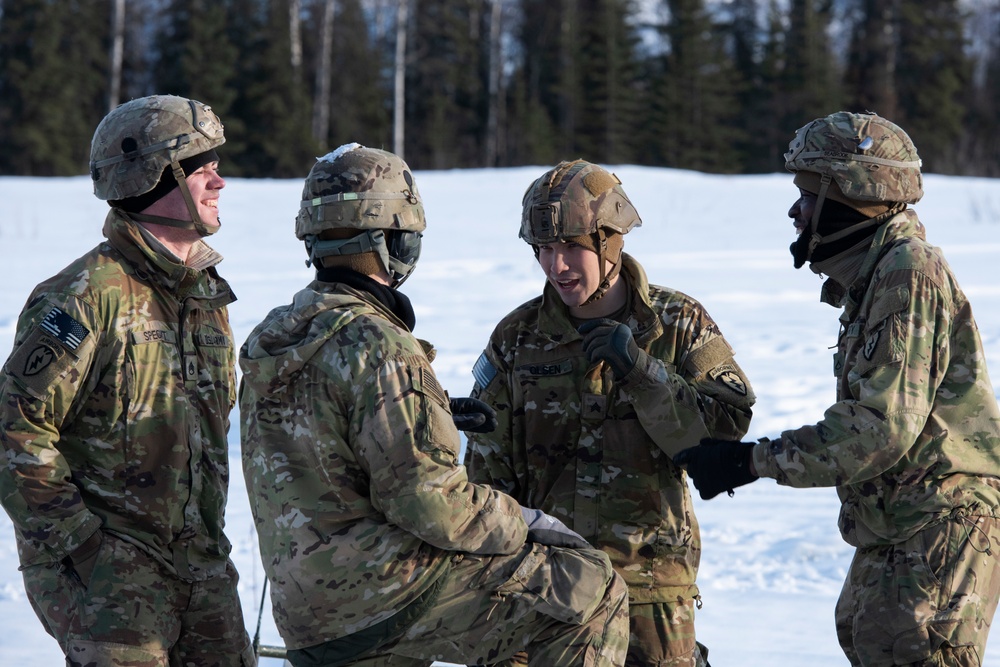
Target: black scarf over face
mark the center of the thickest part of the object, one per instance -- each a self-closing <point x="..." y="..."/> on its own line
<point x="834" y="217"/>
<point x="394" y="300"/>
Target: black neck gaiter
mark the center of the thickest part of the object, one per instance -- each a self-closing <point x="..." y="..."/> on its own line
<point x="394" y="300"/>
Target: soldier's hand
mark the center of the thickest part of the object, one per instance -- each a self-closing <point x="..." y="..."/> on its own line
<point x="550" y="531"/>
<point x="471" y="414"/>
<point x="611" y="342"/>
<point x="718" y="465"/>
<point x="81" y="562"/>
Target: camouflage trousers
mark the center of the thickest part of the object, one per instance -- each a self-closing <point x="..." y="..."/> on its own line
<point x="135" y="614"/>
<point x="567" y="607"/>
<point x="661" y="634"/>
<point x="926" y="602"/>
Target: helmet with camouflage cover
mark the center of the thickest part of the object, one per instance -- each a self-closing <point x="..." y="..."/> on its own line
<point x="858" y="159"/>
<point x="146" y="140"/>
<point x="358" y="200"/>
<point x="574" y="199"/>
<point x="583" y="203"/>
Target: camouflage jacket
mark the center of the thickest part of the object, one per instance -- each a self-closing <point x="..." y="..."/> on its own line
<point x="596" y="453"/>
<point x="115" y="406"/>
<point x="915" y="431"/>
<point x="350" y="458"/>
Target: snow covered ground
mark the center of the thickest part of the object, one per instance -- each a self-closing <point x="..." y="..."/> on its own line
<point x="773" y="560"/>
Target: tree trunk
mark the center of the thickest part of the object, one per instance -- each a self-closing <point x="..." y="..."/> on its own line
<point x="495" y="67"/>
<point x="295" y="32"/>
<point x="568" y="81"/>
<point x="117" y="51"/>
<point x="399" y="95"/>
<point x="321" y="103"/>
<point x="379" y="20"/>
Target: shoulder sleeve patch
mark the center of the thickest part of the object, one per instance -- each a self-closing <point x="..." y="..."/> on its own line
<point x="730" y="376"/>
<point x="707" y="357"/>
<point x="64" y="328"/>
<point x="484" y="371"/>
<point x="38" y="362"/>
<point x="429" y="386"/>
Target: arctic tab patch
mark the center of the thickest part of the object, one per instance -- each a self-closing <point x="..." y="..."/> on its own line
<point x="484" y="371"/>
<point x="64" y="328"/>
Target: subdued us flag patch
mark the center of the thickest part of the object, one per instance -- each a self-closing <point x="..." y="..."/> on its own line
<point x="64" y="328"/>
<point x="484" y="371"/>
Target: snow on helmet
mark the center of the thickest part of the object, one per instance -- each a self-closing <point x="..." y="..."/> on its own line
<point x="355" y="187"/>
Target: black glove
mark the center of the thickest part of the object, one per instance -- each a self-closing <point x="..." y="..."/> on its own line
<point x="471" y="414"/>
<point x="550" y="531"/>
<point x="611" y="342"/>
<point x="718" y="465"/>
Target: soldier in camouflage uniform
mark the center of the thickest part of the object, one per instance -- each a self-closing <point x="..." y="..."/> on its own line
<point x="597" y="383"/>
<point x="378" y="548"/>
<point x="115" y="409"/>
<point x="913" y="442"/>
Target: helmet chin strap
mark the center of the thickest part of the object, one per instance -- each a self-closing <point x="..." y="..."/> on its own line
<point x="803" y="247"/>
<point x="195" y="223"/>
<point x="606" y="276"/>
<point x="814" y="238"/>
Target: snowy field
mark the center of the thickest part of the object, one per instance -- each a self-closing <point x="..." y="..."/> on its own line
<point x="773" y="559"/>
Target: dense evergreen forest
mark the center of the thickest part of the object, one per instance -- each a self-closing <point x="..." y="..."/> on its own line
<point x="711" y="86"/>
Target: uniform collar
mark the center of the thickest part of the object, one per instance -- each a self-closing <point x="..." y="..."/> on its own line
<point x="903" y="225"/>
<point x="154" y="262"/>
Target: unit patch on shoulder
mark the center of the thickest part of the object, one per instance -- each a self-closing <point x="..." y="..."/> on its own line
<point x="39" y="358"/>
<point x="484" y="371"/>
<point x="48" y="350"/>
<point x="871" y="344"/>
<point x="64" y="328"/>
<point x="729" y="376"/>
<point x="38" y="361"/>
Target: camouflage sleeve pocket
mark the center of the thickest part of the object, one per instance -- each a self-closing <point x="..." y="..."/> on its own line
<point x="883" y="335"/>
<point x="440" y="432"/>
